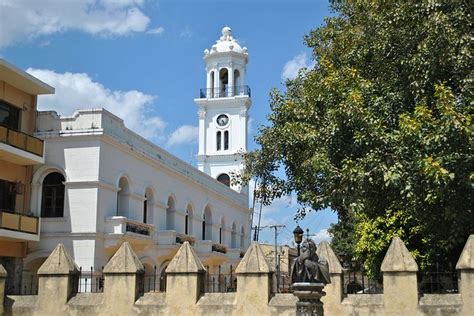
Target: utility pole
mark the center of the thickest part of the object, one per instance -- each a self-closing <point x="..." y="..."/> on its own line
<point x="277" y="265"/>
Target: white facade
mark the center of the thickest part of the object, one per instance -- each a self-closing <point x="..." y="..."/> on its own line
<point x="223" y="109"/>
<point x="109" y="173"/>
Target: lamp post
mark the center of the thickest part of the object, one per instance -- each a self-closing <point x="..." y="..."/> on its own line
<point x="298" y="234"/>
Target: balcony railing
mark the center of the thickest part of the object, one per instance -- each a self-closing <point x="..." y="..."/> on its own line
<point x="122" y="225"/>
<point x="224" y="92"/>
<point x="18" y="222"/>
<point x="21" y="140"/>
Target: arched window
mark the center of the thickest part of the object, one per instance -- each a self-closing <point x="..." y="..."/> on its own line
<point x="242" y="237"/>
<point x="222" y="232"/>
<point x="224" y="179"/>
<point x="145" y="209"/>
<point x="226" y="140"/>
<point x="148" y="206"/>
<point x="122" y="197"/>
<point x="170" y="213"/>
<point x="218" y="140"/>
<point x="207" y="224"/>
<point x="236" y="82"/>
<point x="52" y="201"/>
<point x="233" y="238"/>
<point x="224" y="81"/>
<point x="204" y="227"/>
<point x="188" y="219"/>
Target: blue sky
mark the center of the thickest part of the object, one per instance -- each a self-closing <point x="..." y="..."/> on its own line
<point x="142" y="59"/>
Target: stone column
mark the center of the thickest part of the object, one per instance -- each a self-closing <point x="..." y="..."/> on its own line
<point x="3" y="279"/>
<point x="254" y="276"/>
<point x="184" y="281"/>
<point x="58" y="277"/>
<point x="121" y="275"/>
<point x="465" y="266"/>
<point x="332" y="301"/>
<point x="400" y="288"/>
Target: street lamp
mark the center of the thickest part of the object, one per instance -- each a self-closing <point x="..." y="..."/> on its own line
<point x="298" y="234"/>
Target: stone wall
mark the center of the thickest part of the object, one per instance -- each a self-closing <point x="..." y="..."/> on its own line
<point x="185" y="275"/>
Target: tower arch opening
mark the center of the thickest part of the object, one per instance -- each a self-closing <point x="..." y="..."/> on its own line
<point x="224" y="179"/>
<point x="223" y="82"/>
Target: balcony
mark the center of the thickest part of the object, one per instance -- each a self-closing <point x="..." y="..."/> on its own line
<point x="18" y="227"/>
<point x="171" y="237"/>
<point x="224" y="92"/>
<point x="119" y="228"/>
<point x="20" y="148"/>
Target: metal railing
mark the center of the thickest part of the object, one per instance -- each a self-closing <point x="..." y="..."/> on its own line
<point x="19" y="222"/>
<point x="444" y="281"/>
<point x="283" y="285"/>
<point x="151" y="282"/>
<point x="137" y="229"/>
<point x="356" y="281"/>
<point x="29" y="286"/>
<point x="220" y="282"/>
<point x="225" y="91"/>
<point x="21" y="140"/>
<point x="89" y="281"/>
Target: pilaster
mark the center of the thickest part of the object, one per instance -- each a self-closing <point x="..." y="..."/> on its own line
<point x="400" y="290"/>
<point x="465" y="266"/>
<point x="3" y="279"/>
<point x="333" y="297"/>
<point x="121" y="280"/>
<point x="185" y="277"/>
<point x="58" y="280"/>
<point x="254" y="277"/>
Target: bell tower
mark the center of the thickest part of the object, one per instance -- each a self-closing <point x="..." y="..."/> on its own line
<point x="223" y="110"/>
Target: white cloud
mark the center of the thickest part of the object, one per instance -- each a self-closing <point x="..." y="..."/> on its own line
<point x="78" y="90"/>
<point x="26" y="19"/>
<point x="156" y="31"/>
<point x="183" y="135"/>
<point x="321" y="235"/>
<point x="291" y="68"/>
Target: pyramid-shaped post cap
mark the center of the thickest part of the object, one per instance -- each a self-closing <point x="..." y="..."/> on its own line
<point x="58" y="262"/>
<point x="325" y="251"/>
<point x="3" y="272"/>
<point x="398" y="258"/>
<point x="124" y="261"/>
<point x="185" y="261"/>
<point x="253" y="261"/>
<point x="466" y="260"/>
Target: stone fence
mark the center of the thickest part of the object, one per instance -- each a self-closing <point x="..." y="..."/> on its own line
<point x="184" y="294"/>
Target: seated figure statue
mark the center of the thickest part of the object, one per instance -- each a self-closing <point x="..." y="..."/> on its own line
<point x="308" y="267"/>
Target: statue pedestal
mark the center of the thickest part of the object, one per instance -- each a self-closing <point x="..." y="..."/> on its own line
<point x="309" y="298"/>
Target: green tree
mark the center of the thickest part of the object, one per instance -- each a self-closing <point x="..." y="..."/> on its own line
<point x="381" y="129"/>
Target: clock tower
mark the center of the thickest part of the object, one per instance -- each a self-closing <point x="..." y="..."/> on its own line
<point x="223" y="110"/>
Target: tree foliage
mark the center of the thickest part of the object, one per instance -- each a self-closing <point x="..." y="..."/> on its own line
<point x="381" y="129"/>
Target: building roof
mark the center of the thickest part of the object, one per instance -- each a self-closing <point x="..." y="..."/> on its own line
<point x="22" y="80"/>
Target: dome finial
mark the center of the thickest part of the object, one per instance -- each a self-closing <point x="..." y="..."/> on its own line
<point x="226" y="33"/>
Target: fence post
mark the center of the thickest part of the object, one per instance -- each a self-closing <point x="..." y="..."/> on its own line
<point x="121" y="274"/>
<point x="3" y="279"/>
<point x="185" y="274"/>
<point x="400" y="286"/>
<point x="55" y="282"/>
<point x="333" y="298"/>
<point x="465" y="266"/>
<point x="254" y="276"/>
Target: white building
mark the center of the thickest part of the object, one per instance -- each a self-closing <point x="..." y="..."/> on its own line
<point x="103" y="184"/>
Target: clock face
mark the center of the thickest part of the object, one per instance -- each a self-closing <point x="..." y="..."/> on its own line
<point x="222" y="120"/>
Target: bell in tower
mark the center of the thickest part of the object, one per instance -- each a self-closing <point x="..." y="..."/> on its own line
<point x="223" y="110"/>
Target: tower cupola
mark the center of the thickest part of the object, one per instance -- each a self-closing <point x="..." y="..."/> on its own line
<point x="223" y="110"/>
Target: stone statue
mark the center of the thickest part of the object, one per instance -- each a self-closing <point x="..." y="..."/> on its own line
<point x="308" y="267"/>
